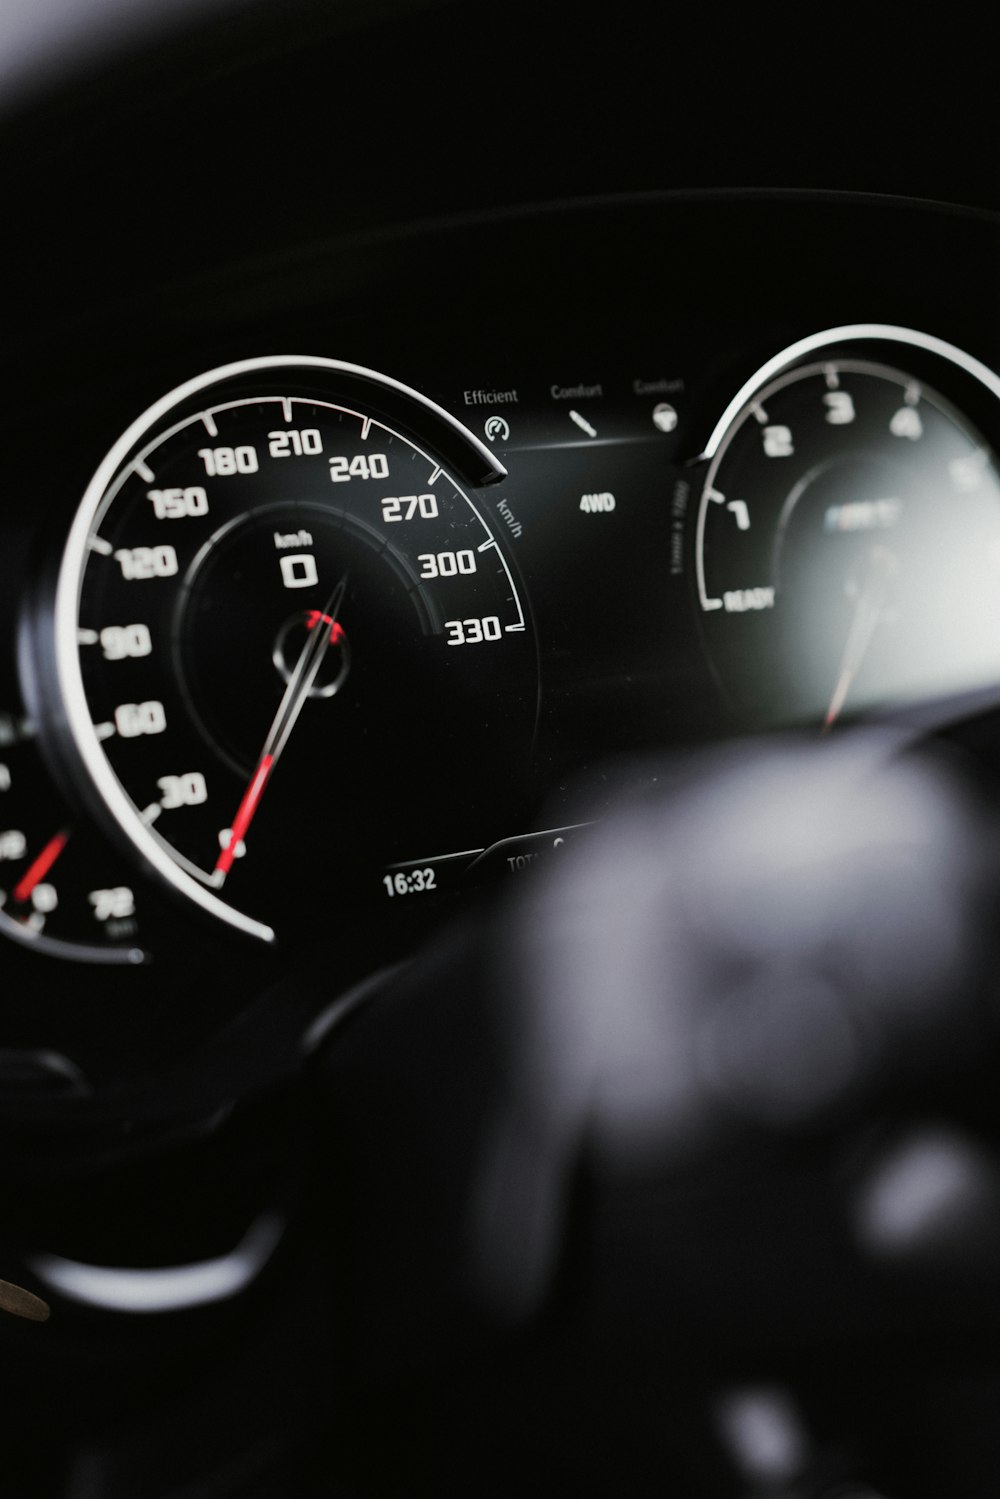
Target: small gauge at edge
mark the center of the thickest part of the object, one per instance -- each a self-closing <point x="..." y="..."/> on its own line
<point x="63" y="892"/>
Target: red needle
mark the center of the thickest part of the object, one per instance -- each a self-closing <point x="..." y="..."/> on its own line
<point x="336" y="633"/>
<point x="37" y="871"/>
<point x="299" y="684"/>
<point x="245" y="814"/>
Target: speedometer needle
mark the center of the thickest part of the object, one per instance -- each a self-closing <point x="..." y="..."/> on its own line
<point x="291" y="705"/>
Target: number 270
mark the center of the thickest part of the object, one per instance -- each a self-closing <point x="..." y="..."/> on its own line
<point x="406" y="506"/>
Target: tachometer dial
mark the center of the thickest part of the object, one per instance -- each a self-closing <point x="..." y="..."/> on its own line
<point x="289" y="647"/>
<point x="848" y="543"/>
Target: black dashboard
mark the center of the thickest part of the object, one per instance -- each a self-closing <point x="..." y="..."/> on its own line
<point x="533" y="370"/>
<point x="595" y="393"/>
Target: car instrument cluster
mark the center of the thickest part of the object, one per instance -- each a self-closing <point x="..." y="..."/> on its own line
<point x="307" y="639"/>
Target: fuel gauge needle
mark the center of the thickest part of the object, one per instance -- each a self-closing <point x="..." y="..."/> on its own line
<point x="293" y="701"/>
<point x="868" y="611"/>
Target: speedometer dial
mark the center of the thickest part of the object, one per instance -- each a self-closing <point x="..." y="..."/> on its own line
<point x="289" y="644"/>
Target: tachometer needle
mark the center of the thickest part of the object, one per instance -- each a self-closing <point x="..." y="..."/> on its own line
<point x="881" y="569"/>
<point x="291" y="705"/>
<point x="39" y="868"/>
